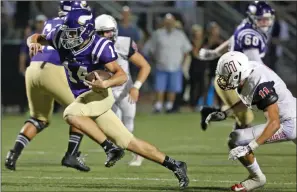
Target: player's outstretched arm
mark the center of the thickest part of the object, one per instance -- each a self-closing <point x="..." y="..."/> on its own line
<point x="273" y="123"/>
<point x="212" y="114"/>
<point x="119" y="77"/>
<point x="210" y="54"/>
<point x="144" y="68"/>
<point x="37" y="38"/>
<point x="237" y="107"/>
<point x="35" y="43"/>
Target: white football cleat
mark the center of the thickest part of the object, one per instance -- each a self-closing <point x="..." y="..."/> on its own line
<point x="253" y="182"/>
<point x="136" y="161"/>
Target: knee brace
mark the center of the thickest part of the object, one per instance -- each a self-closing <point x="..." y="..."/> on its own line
<point x="128" y="122"/>
<point x="40" y="125"/>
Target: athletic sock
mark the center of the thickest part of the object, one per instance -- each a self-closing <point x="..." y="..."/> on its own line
<point x="169" y="163"/>
<point x="254" y="169"/>
<point x="74" y="142"/>
<point x="107" y="145"/>
<point x="21" y="142"/>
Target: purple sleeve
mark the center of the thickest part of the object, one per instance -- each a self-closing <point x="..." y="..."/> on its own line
<point x="108" y="53"/>
<point x="52" y="37"/>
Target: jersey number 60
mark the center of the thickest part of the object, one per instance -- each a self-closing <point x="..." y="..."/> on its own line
<point x="251" y="40"/>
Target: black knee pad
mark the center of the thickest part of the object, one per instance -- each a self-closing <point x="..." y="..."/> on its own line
<point x="232" y="139"/>
<point x="40" y="125"/>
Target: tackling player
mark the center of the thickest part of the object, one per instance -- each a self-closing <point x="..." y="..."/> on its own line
<point x="250" y="38"/>
<point x="127" y="94"/>
<point x="259" y="88"/>
<point x="46" y="82"/>
<point x="83" y="51"/>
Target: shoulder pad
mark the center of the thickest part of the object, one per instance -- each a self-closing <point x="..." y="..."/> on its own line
<point x="265" y="95"/>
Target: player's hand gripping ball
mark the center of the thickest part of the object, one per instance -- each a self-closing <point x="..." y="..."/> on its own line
<point x="104" y="75"/>
<point x="97" y="80"/>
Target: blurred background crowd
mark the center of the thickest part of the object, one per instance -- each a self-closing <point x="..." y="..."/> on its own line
<point x="195" y="25"/>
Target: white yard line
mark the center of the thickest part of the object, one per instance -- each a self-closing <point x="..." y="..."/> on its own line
<point x="135" y="179"/>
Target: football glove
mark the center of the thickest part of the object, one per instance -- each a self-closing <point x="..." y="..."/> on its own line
<point x="216" y="116"/>
<point x="205" y="111"/>
<point x="207" y="54"/>
<point x="241" y="151"/>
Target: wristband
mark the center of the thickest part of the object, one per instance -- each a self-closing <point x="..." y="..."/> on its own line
<point x="253" y="145"/>
<point x="137" y="84"/>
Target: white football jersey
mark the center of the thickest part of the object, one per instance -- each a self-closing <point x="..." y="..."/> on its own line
<point x="125" y="48"/>
<point x="262" y="82"/>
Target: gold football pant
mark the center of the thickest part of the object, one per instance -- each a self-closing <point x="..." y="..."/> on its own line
<point x="46" y="82"/>
<point x="230" y="98"/>
<point x="97" y="105"/>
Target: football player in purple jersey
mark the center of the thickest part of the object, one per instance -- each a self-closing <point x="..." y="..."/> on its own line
<point x="82" y="51"/>
<point x="45" y="82"/>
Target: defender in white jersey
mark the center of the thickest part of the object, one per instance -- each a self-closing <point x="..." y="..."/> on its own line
<point x="258" y="88"/>
<point x="250" y="38"/>
<point x="127" y="94"/>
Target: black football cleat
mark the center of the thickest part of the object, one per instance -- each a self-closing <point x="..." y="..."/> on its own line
<point x="205" y="111"/>
<point x="181" y="174"/>
<point x="114" y="155"/>
<point x="75" y="161"/>
<point x="11" y="159"/>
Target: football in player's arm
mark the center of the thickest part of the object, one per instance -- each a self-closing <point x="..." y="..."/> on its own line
<point x="91" y="111"/>
<point x="36" y="41"/>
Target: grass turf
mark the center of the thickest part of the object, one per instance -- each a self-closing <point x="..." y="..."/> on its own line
<point x="178" y="135"/>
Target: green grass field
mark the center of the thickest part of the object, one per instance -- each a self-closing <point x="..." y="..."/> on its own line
<point x="178" y="135"/>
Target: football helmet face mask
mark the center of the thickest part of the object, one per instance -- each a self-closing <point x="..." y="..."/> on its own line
<point x="106" y="26"/>
<point x="232" y="68"/>
<point x="261" y="15"/>
<point x="78" y="27"/>
<point x="67" y="6"/>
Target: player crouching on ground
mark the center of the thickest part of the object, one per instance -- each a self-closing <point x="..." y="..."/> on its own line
<point x="82" y="51"/>
<point x="258" y="88"/>
<point x="127" y="94"/>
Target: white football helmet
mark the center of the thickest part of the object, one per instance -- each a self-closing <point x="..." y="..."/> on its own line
<point x="106" y="23"/>
<point x="232" y="68"/>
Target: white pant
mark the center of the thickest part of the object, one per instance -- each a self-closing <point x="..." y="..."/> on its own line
<point x="242" y="137"/>
<point x="124" y="109"/>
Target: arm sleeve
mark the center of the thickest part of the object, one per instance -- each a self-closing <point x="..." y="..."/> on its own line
<point x="265" y="95"/>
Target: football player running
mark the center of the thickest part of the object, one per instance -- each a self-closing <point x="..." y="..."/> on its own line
<point x="127" y="94"/>
<point x="259" y="88"/>
<point x="250" y="38"/>
<point x="83" y="51"/>
<point x="45" y="82"/>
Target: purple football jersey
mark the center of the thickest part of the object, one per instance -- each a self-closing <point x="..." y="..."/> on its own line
<point x="49" y="54"/>
<point x="78" y="63"/>
<point x="246" y="37"/>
